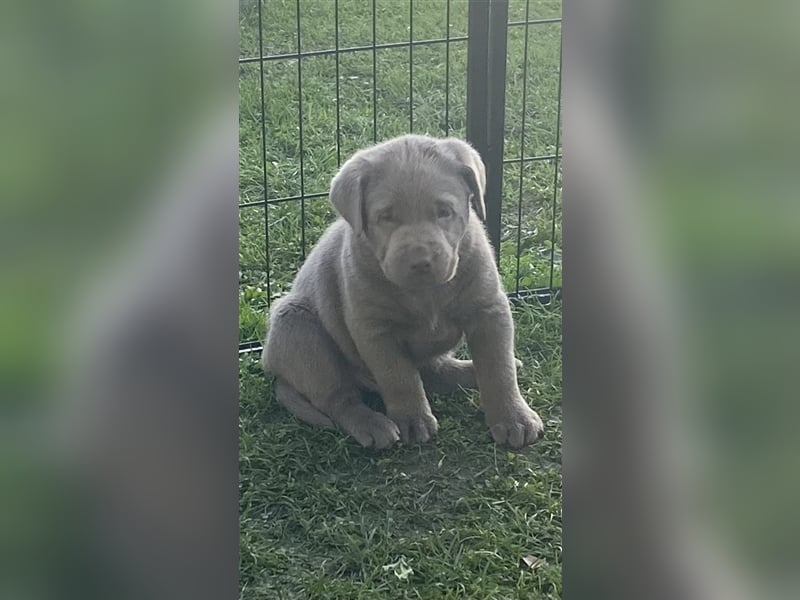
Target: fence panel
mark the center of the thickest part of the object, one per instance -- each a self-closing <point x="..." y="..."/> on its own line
<point x="320" y="79"/>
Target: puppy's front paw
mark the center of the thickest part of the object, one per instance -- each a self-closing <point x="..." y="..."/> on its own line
<point x="372" y="430"/>
<point x="415" y="428"/>
<point x="516" y="426"/>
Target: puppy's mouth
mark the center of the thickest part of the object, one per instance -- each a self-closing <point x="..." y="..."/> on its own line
<point x="420" y="280"/>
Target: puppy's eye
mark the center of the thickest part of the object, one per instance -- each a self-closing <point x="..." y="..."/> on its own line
<point x="384" y="217"/>
<point x="444" y="212"/>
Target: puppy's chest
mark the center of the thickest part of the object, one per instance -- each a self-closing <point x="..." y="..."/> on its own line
<point x="429" y="331"/>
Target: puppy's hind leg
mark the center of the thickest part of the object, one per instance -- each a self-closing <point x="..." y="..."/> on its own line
<point x="314" y="381"/>
<point x="446" y="374"/>
<point x="299" y="406"/>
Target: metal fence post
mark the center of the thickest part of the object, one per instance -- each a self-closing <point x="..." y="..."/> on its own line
<point x="486" y="100"/>
<point x="477" y="68"/>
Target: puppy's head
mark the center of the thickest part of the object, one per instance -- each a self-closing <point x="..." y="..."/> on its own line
<point x="410" y="198"/>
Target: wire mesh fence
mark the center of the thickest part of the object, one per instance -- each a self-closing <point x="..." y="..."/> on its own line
<point x="319" y="79"/>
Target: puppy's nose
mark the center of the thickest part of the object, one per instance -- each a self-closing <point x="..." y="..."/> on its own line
<point x="421" y="266"/>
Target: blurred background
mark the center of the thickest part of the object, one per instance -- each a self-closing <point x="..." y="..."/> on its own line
<point x="682" y="250"/>
<point x="118" y="305"/>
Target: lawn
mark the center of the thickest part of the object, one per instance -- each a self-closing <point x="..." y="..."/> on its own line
<point x="323" y="518"/>
<point x="320" y="517"/>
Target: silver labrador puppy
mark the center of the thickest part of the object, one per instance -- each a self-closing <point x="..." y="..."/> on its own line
<point x="389" y="291"/>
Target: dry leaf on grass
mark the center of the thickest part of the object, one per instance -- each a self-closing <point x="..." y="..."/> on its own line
<point x="530" y="562"/>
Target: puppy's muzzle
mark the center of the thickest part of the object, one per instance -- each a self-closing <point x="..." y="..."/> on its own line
<point x="420" y="262"/>
<point x="417" y="265"/>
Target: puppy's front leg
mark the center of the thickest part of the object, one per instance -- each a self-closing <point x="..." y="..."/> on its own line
<point x="490" y="337"/>
<point x="400" y="385"/>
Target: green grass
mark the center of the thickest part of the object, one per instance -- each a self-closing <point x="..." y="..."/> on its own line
<point x="323" y="518"/>
<point x="320" y="517"/>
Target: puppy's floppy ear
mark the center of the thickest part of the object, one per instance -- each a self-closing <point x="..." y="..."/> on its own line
<point x="347" y="192"/>
<point x="473" y="170"/>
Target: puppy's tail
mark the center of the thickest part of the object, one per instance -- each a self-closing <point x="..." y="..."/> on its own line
<point x="299" y="406"/>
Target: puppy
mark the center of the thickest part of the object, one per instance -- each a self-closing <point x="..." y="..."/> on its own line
<point x="387" y="294"/>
